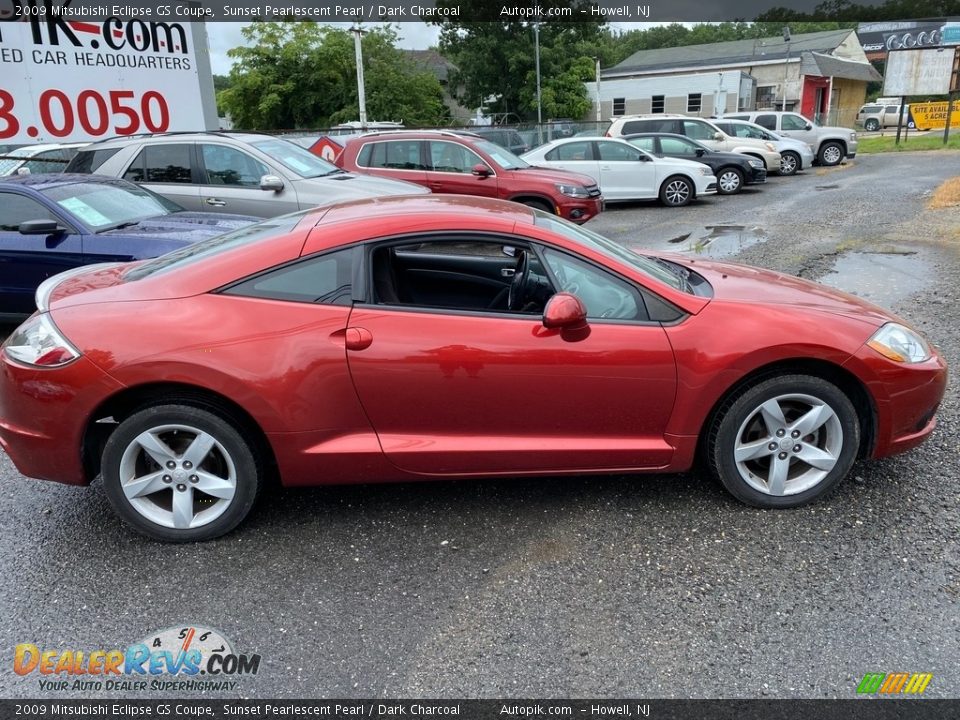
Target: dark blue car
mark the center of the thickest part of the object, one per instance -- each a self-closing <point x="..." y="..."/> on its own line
<point x="52" y="223"/>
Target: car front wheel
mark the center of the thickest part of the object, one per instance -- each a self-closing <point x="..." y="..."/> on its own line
<point x="789" y="163"/>
<point x="831" y="154"/>
<point x="676" y="191"/>
<point x="784" y="442"/>
<point x="729" y="181"/>
<point x="180" y="473"/>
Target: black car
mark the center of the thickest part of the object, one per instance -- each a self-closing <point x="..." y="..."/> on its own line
<point x="733" y="170"/>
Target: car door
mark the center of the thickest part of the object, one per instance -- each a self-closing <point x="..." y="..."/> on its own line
<point x="398" y="159"/>
<point x="477" y="390"/>
<point x="450" y="168"/>
<point x="626" y="173"/>
<point x="230" y="183"/>
<point x="578" y="156"/>
<point x="796" y="126"/>
<point x="702" y="132"/>
<point x="167" y="169"/>
<point x="28" y="260"/>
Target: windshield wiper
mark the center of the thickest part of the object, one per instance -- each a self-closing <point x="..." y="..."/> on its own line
<point x="121" y="226"/>
<point x="678" y="270"/>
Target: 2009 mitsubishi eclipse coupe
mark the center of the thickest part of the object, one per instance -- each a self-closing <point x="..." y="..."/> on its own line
<point x="436" y="337"/>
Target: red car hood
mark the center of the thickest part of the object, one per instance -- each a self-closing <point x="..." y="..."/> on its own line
<point x="553" y="175"/>
<point x="742" y="283"/>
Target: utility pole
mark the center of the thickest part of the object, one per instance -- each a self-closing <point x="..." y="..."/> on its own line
<point x="786" y="67"/>
<point x="599" y="117"/>
<point x="361" y="94"/>
<point x="536" y="46"/>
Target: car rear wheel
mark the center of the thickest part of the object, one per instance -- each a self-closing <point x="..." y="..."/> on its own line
<point x="729" y="181"/>
<point x="676" y="191"/>
<point x="784" y="442"/>
<point x="180" y="474"/>
<point x="789" y="163"/>
<point x="831" y="153"/>
<point x="872" y="124"/>
<point x="538" y="204"/>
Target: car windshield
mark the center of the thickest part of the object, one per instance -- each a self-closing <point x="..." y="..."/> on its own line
<point x="295" y="158"/>
<point x="13" y="159"/>
<point x="214" y="246"/>
<point x="609" y="248"/>
<point x="503" y="157"/>
<point x="107" y="206"/>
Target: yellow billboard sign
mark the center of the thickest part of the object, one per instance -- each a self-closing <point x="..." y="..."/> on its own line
<point x="932" y="115"/>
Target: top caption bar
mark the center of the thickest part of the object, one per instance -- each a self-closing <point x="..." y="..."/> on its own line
<point x="54" y="11"/>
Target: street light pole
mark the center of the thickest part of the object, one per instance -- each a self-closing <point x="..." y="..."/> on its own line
<point x="786" y="67"/>
<point x="361" y="93"/>
<point x="599" y="117"/>
<point x="536" y="45"/>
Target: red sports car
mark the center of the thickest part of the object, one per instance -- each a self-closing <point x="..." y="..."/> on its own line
<point x="437" y="337"/>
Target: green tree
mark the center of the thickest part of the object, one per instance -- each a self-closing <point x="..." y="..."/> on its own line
<point x="303" y="75"/>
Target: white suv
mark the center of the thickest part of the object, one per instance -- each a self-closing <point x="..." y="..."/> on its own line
<point x="698" y="129"/>
<point x="830" y="144"/>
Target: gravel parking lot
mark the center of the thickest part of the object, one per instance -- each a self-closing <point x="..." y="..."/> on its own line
<point x="652" y="586"/>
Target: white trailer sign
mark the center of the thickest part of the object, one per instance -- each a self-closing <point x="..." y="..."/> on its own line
<point x="918" y="72"/>
<point x="75" y="80"/>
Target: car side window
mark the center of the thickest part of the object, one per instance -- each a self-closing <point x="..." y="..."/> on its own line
<point x="892" y="109"/>
<point x="698" y="131"/>
<point x="572" y="151"/>
<point x="161" y="164"/>
<point x="606" y="296"/>
<point x="229" y="166"/>
<point x="767" y="121"/>
<point x="645" y="143"/>
<point x="323" y="280"/>
<point x="392" y="154"/>
<point x="793" y="122"/>
<point x="614" y="151"/>
<point x="676" y="146"/>
<point x="15" y="209"/>
<point x="49" y="161"/>
<point x="451" y="157"/>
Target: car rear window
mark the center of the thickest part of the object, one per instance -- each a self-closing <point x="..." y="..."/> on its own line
<point x="89" y="161"/>
<point x="190" y="254"/>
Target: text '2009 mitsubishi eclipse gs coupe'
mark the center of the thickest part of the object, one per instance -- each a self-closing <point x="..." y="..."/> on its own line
<point x="435" y="337"/>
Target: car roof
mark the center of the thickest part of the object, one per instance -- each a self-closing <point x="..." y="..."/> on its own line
<point x="42" y="181"/>
<point x="28" y="151"/>
<point x="119" y="141"/>
<point x="418" y="134"/>
<point x="464" y="207"/>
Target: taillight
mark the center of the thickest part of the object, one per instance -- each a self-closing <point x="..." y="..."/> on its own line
<point x="38" y="342"/>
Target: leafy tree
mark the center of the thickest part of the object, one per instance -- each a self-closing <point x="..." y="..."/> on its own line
<point x="303" y="75"/>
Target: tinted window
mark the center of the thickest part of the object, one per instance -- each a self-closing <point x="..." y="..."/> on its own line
<point x="638" y="126"/>
<point x="89" y="161"/>
<point x="892" y="109"/>
<point x="325" y="280"/>
<point x="15" y="209"/>
<point x="161" y="164"/>
<point x="678" y="146"/>
<point x="572" y="151"/>
<point x="229" y="166"/>
<point x="451" y="157"/>
<point x="767" y="121"/>
<point x="793" y="122"/>
<point x="393" y="154"/>
<point x="617" y="151"/>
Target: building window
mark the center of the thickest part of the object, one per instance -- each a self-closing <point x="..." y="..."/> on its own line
<point x="766" y="96"/>
<point x="693" y="102"/>
<point x="619" y="106"/>
<point x="656" y="104"/>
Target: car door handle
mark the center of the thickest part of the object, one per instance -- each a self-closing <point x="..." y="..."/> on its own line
<point x="216" y="202"/>
<point x="358" y="338"/>
<point x="604" y="167"/>
<point x="507" y="272"/>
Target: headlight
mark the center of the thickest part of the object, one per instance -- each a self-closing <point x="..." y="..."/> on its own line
<point x="811" y="147"/>
<point x="38" y="342"/>
<point x="754" y="163"/>
<point x="771" y="147"/>
<point x="853" y="136"/>
<point x="574" y="191"/>
<point x="706" y="171"/>
<point x="900" y="344"/>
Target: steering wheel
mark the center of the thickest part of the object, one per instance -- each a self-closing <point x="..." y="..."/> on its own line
<point x="517" y="295"/>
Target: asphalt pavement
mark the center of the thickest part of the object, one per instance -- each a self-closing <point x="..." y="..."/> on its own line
<point x="642" y="586"/>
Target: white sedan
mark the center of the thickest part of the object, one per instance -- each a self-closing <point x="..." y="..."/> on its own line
<point x="625" y="172"/>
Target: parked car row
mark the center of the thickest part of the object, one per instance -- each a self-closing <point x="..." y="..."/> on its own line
<point x="42" y="158"/>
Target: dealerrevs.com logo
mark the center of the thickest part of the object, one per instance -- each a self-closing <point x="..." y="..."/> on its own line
<point x="178" y="659"/>
<point x="894" y="683"/>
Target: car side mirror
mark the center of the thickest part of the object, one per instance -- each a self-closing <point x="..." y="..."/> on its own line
<point x="565" y="311"/>
<point x="701" y="152"/>
<point x="40" y="227"/>
<point x="718" y="136"/>
<point x="271" y="182"/>
<point x="808" y="126"/>
<point x="481" y="170"/>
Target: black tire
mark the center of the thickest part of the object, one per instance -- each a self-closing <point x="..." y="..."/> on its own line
<point x="790" y="163"/>
<point x="732" y="179"/>
<point x="172" y="493"/>
<point x="676" y="191"/>
<point x="741" y="426"/>
<point x="872" y="125"/>
<point x="831" y="153"/>
<point x="538" y="204"/>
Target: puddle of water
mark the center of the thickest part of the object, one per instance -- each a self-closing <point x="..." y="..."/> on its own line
<point x="723" y="240"/>
<point x="826" y="187"/>
<point x="883" y="279"/>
